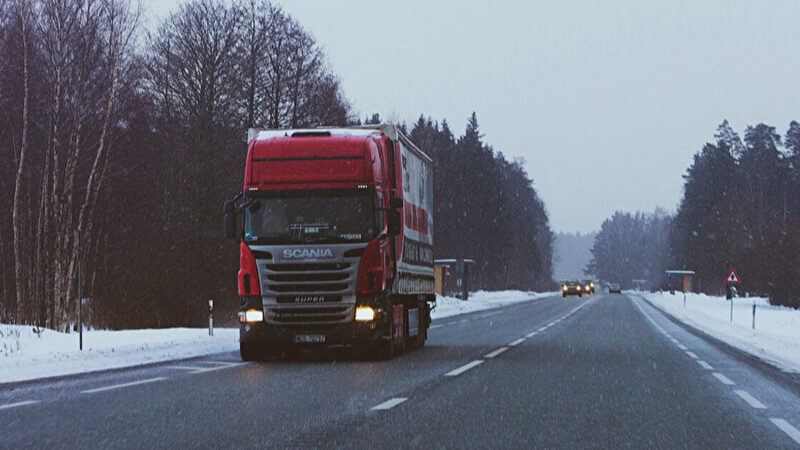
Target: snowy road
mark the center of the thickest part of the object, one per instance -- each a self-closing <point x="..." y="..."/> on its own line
<point x="607" y="371"/>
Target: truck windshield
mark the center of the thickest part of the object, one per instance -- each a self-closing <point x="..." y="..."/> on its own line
<point x="304" y="217"/>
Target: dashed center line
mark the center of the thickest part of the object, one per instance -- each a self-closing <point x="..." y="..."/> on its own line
<point x="704" y="364"/>
<point x="389" y="404"/>
<point x="692" y="355"/>
<point x="14" y="405"/>
<point x="123" y="385"/>
<point x="517" y="342"/>
<point x="787" y="428"/>
<point x="530" y="335"/>
<point x="750" y="399"/>
<point x="682" y="347"/>
<point x="464" y="368"/>
<point x="496" y="352"/>
<point x="722" y="378"/>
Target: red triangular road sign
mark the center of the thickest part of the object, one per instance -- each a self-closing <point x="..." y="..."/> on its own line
<point x="733" y="278"/>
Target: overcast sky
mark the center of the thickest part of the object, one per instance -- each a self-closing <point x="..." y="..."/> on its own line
<point x="607" y="101"/>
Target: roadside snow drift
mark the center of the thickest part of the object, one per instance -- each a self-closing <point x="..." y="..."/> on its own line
<point x="775" y="339"/>
<point x="478" y="301"/>
<point x="26" y="354"/>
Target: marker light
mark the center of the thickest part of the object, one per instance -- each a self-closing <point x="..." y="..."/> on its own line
<point x="364" y="314"/>
<point x="251" y="315"/>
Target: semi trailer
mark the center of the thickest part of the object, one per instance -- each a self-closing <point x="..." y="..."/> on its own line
<point x="335" y="232"/>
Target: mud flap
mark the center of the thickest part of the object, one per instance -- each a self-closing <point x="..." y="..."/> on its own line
<point x="399" y="324"/>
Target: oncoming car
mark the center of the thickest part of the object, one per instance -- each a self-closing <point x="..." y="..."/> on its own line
<point x="572" y="287"/>
<point x="588" y="286"/>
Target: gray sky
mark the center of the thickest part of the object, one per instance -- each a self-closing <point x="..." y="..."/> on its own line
<point x="606" y="100"/>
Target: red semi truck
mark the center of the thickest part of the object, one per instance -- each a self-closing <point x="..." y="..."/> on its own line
<point x="336" y="241"/>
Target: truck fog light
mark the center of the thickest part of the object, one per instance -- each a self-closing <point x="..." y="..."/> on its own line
<point x="251" y="315"/>
<point x="364" y="314"/>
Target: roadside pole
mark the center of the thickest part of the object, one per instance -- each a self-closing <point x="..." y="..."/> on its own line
<point x="754" y="314"/>
<point x="211" y="317"/>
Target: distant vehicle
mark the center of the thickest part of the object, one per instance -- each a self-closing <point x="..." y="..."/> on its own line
<point x="326" y="256"/>
<point x="588" y="286"/>
<point x="614" y="288"/>
<point x="572" y="287"/>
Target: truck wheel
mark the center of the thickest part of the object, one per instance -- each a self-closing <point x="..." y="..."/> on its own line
<point x="250" y="351"/>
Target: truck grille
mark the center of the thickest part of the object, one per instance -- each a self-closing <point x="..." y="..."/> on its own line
<point x="307" y="279"/>
<point x="310" y="295"/>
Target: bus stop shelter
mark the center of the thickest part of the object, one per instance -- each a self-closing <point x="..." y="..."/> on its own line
<point x="685" y="277"/>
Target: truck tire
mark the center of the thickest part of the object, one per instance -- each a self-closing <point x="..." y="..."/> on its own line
<point x="250" y="351"/>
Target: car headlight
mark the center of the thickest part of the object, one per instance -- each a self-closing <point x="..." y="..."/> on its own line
<point x="365" y="314"/>
<point x="251" y="315"/>
<point x="563" y="288"/>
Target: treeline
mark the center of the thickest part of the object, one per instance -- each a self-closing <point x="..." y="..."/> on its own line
<point x="631" y="247"/>
<point x="740" y="209"/>
<point x="120" y="147"/>
<point x="486" y="210"/>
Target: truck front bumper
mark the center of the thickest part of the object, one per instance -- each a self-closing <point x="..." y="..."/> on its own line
<point x="351" y="333"/>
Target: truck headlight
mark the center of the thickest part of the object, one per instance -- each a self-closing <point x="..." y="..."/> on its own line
<point x="365" y="314"/>
<point x="251" y="315"/>
<point x="563" y="288"/>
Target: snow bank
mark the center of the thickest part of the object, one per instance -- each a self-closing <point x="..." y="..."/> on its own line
<point x="478" y="301"/>
<point x="26" y="355"/>
<point x="775" y="339"/>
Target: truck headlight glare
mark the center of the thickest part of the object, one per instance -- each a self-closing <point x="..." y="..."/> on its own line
<point x="365" y="314"/>
<point x="251" y="315"/>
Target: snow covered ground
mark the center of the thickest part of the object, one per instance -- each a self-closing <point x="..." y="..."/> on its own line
<point x="478" y="301"/>
<point x="775" y="339"/>
<point x="26" y="355"/>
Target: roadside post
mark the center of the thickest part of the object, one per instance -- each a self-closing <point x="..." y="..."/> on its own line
<point x="754" y="314"/>
<point x="732" y="279"/>
<point x="211" y="317"/>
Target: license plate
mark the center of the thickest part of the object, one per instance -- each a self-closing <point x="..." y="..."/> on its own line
<point x="309" y="338"/>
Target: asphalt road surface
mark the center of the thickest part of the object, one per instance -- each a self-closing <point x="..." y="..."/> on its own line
<point x="606" y="371"/>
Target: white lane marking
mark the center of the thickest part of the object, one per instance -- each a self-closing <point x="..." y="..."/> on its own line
<point x="186" y="368"/>
<point x="750" y="399"/>
<point x="682" y="347"/>
<point x="228" y="366"/>
<point x="389" y="404"/>
<point x="530" y="335"/>
<point x="542" y="329"/>
<point x="464" y="368"/>
<point x="118" y="386"/>
<point x="517" y="342"/>
<point x="704" y="364"/>
<point x="722" y="378"/>
<point x="692" y="355"/>
<point x="787" y="428"/>
<point x="433" y="327"/>
<point x="496" y="352"/>
<point x="222" y="363"/>
<point x="491" y="314"/>
<point x="14" y="405"/>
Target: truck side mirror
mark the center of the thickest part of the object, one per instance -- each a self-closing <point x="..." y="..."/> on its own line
<point x="229" y="221"/>
<point x="395" y="202"/>
<point x="393" y="222"/>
